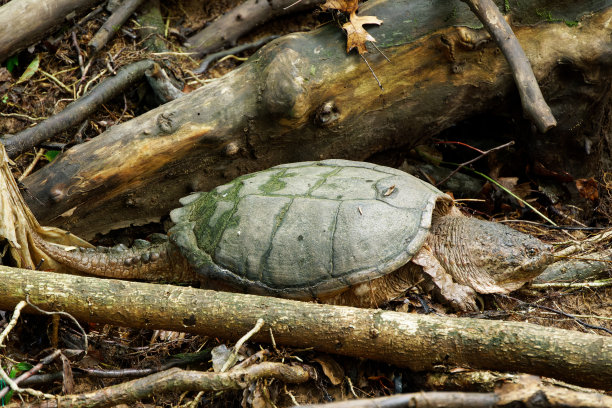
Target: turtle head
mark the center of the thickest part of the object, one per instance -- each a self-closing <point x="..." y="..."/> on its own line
<point x="520" y="257"/>
<point x="490" y="257"/>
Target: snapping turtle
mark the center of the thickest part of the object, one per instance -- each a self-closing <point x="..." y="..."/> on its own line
<point x="313" y="230"/>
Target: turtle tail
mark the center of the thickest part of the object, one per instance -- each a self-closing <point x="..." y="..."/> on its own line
<point x="158" y="261"/>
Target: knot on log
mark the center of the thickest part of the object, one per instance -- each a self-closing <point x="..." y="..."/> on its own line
<point x="165" y="122"/>
<point x="284" y="94"/>
<point x="327" y="114"/>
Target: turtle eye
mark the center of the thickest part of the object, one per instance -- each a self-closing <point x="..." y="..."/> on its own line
<point x="532" y="252"/>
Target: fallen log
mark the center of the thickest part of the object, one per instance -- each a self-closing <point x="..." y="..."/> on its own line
<point x="23" y="22"/>
<point x="302" y="98"/>
<point x="419" y="342"/>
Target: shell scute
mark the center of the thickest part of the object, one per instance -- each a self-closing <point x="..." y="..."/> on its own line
<point x="251" y="239"/>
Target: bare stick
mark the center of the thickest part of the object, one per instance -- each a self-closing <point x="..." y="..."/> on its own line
<point x="234" y="355"/>
<point x="235" y="50"/>
<point x="162" y="86"/>
<point x="78" y="111"/>
<point x="32" y="371"/>
<point x="523" y="391"/>
<point x="112" y="25"/>
<point x="533" y="102"/>
<point x="177" y="380"/>
<point x="572" y="285"/>
<point x="65" y="314"/>
<point x="75" y="42"/>
<point x="425" y="399"/>
<point x="13" y="322"/>
<point x="225" y="30"/>
<point x="419" y="342"/>
<point x="31" y="166"/>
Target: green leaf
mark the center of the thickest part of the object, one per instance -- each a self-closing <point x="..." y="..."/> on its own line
<point x="5" y="98"/>
<point x="30" y="70"/>
<point x="51" y="154"/>
<point x="15" y="371"/>
<point x="12" y="62"/>
<point x="19" y="367"/>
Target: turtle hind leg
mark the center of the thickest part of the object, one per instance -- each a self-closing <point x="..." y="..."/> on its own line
<point x="459" y="296"/>
<point x="378" y="291"/>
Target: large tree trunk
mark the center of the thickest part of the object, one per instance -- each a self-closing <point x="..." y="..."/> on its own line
<point x="303" y="98"/>
<point x="419" y="342"/>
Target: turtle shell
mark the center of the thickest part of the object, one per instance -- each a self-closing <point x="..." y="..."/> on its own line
<point x="306" y="230"/>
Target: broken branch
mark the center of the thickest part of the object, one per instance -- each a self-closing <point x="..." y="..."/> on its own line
<point x="113" y="24"/>
<point x="77" y="111"/>
<point x="532" y="99"/>
<point x="178" y="380"/>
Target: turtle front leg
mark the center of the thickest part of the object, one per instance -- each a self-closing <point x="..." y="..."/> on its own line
<point x="459" y="296"/>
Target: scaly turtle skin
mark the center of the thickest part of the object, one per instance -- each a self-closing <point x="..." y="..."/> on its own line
<point x="312" y="230"/>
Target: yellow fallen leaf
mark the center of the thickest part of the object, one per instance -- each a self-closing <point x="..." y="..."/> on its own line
<point x="356" y="35"/>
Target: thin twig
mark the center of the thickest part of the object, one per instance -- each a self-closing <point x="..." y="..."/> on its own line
<point x="535" y="210"/>
<point x="57" y="81"/>
<point x="22" y="116"/>
<point x="234" y="355"/>
<point x="31" y="166"/>
<point x="372" y="71"/>
<point x="13" y="322"/>
<point x="32" y="371"/>
<point x="553" y="227"/>
<point x="79" y="52"/>
<point x="68" y="315"/>
<point x="585" y="244"/>
<point x="573" y="285"/>
<point x="231" y="51"/>
<point x="292" y="4"/>
<point x="482" y="154"/>
<point x="9" y="381"/>
<point x="380" y="51"/>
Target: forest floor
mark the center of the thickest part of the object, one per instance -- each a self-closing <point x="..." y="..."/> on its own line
<point x="48" y="90"/>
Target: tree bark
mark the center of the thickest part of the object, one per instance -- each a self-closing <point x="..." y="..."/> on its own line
<point x="302" y="98"/>
<point x="23" y="22"/>
<point x="419" y="342"/>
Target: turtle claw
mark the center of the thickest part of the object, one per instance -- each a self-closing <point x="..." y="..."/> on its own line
<point x="462" y="298"/>
<point x="141" y="244"/>
<point x="157" y="238"/>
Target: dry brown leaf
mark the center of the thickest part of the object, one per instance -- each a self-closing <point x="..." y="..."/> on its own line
<point x="356" y="35"/>
<point x="18" y="224"/>
<point x="588" y="188"/>
<point x="348" y="6"/>
<point x="331" y="368"/>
